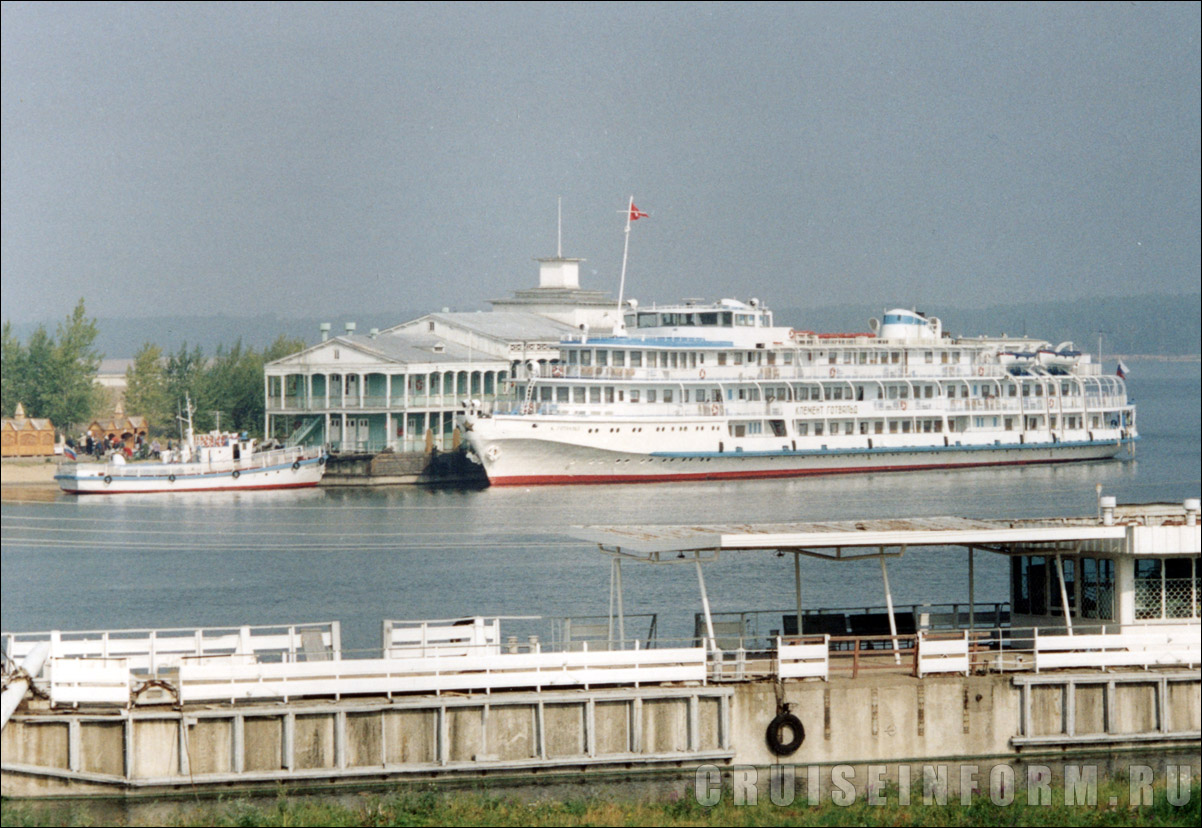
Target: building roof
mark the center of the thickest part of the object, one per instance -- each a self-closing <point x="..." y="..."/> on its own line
<point x="505" y="326"/>
<point x="417" y="349"/>
<point x="654" y="540"/>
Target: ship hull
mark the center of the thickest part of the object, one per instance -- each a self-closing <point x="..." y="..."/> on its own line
<point x="148" y="478"/>
<point x="526" y="461"/>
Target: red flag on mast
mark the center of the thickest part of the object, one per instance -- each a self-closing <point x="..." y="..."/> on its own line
<point x="636" y="213"/>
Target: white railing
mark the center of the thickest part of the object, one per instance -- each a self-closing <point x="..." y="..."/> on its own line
<point x="231" y="679"/>
<point x="942" y="653"/>
<point x="74" y="681"/>
<point x="155" y="468"/>
<point x="452" y="637"/>
<point x="149" y="651"/>
<point x="1143" y="648"/>
<point x="803" y="660"/>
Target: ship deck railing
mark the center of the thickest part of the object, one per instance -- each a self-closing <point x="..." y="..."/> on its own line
<point x="156" y="468"/>
<point x="260" y="664"/>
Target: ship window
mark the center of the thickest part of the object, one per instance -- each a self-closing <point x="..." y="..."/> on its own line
<point x="896" y="357"/>
<point x="938" y="426"/>
<point x="788" y="359"/>
<point x="663" y="359"/>
<point x="594" y="394"/>
<point x="619" y="358"/>
<point x="586" y="357"/>
<point x="772" y="357"/>
<point x="837" y="393"/>
<point x="930" y="391"/>
<point x="722" y="357"/>
<point x="609" y="393"/>
<point x="834" y="428"/>
<point x="650" y="395"/>
<point x="561" y="394"/>
<point x="738" y="357"/>
<point x="833" y="358"/>
<point x="675" y="359"/>
<point x="708" y="318"/>
<point x="893" y="426"/>
<point x="636" y="359"/>
<point x="943" y="357"/>
<point x="668" y="395"/>
<point x="573" y="358"/>
<point x="905" y="426"/>
<point x="727" y="319"/>
<point x="803" y="429"/>
<point x="602" y="357"/>
<point x="651" y="358"/>
<point x="578" y="394"/>
<point x="744" y="320"/>
<point x="692" y="359"/>
<point x="634" y="395"/>
<point x="928" y="357"/>
<point x="879" y="427"/>
<point x="818" y="429"/>
<point x="544" y="393"/>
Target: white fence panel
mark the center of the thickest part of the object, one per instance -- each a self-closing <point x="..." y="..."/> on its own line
<point x="226" y="678"/>
<point x="942" y="655"/>
<point x="89" y="681"/>
<point x="474" y="636"/>
<point x="803" y="660"/>
<point x="1145" y="648"/>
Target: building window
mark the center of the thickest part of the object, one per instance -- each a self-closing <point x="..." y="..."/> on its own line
<point x="1166" y="588"/>
<point x="1097" y="588"/>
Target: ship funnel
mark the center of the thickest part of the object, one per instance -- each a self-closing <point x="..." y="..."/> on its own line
<point x="1108" y="503"/>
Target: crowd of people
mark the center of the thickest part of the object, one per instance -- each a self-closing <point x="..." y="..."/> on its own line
<point x="133" y="447"/>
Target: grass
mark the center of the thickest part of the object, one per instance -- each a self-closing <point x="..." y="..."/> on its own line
<point x="435" y="807"/>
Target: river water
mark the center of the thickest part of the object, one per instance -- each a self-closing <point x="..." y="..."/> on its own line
<point x="360" y="556"/>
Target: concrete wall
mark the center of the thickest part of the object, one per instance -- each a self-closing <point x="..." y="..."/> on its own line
<point x="882" y="718"/>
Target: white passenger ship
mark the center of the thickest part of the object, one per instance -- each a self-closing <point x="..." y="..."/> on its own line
<point x="694" y="391"/>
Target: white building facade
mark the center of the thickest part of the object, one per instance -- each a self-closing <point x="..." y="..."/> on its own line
<point x="401" y="388"/>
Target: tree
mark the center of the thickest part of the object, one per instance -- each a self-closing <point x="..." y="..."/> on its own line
<point x="146" y="388"/>
<point x="13" y="364"/>
<point x="74" y="394"/>
<point x="54" y="376"/>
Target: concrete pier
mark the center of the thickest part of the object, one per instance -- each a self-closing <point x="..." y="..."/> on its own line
<point x="158" y="749"/>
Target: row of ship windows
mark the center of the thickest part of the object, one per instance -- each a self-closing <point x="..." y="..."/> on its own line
<point x="695" y="359"/>
<point x="805" y="428"/>
<point x="596" y="394"/>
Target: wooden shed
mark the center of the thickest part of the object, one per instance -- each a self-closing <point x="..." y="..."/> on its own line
<point x="120" y="428"/>
<point x="22" y="436"/>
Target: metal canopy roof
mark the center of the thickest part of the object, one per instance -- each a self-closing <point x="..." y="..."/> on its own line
<point x="931" y="531"/>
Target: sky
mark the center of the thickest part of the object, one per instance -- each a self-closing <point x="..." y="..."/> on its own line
<point x="308" y="159"/>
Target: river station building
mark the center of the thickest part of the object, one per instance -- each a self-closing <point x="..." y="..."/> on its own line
<point x="400" y="388"/>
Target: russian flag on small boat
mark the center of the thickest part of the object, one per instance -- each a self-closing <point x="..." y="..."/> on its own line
<point x="1122" y="370"/>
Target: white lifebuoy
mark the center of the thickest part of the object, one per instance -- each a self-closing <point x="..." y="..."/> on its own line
<point x="701" y="373"/>
<point x="716" y="409"/>
<point x="492" y="453"/>
<point x="903" y="405"/>
<point x="833" y="372"/>
<point x="981" y="371"/>
<point x="557" y="370"/>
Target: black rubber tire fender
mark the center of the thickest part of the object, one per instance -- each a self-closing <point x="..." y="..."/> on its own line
<point x="776" y="730"/>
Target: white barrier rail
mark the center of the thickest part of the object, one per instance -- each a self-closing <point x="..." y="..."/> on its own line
<point x="1127" y="649"/>
<point x="809" y="660"/>
<point x="89" y="681"/>
<point x="454" y="637"/>
<point x="942" y="654"/>
<point x="224" y="679"/>
<point x="149" y="651"/>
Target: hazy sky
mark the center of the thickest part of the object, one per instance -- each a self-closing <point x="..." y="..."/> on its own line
<point x="310" y="159"/>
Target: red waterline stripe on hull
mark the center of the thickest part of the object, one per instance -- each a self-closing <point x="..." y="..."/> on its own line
<point x="211" y="489"/>
<point x="539" y="480"/>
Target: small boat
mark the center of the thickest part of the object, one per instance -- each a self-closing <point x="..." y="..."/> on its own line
<point x="216" y="461"/>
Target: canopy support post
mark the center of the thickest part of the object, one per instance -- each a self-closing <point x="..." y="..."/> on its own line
<point x="889" y="606"/>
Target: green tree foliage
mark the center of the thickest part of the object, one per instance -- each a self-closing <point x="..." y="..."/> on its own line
<point x="146" y="389"/>
<point x="54" y="376"/>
